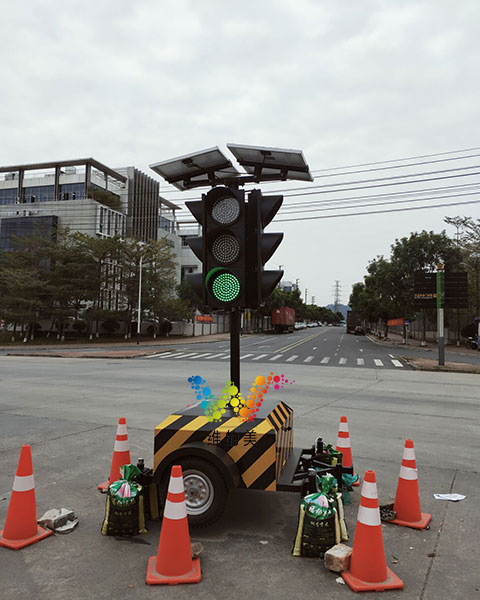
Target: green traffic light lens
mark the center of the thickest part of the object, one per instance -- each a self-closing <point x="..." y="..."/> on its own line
<point x="226" y="287"/>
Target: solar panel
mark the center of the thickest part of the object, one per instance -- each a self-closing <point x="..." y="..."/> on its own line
<point x="265" y="162"/>
<point x="198" y="169"/>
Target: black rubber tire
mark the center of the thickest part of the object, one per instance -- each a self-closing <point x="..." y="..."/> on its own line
<point x="219" y="487"/>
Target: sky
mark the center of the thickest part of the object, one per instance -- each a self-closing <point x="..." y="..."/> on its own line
<point x="348" y="83"/>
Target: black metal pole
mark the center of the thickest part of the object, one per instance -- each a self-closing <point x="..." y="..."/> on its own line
<point x="235" y="347"/>
<point x="440" y="317"/>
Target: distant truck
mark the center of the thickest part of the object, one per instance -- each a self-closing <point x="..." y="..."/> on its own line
<point x="283" y="319"/>
<point x="352" y="321"/>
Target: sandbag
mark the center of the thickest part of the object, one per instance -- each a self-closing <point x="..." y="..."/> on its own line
<point x="124" y="512"/>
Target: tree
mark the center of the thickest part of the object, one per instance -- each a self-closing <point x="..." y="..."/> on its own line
<point x="388" y="289"/>
<point x="468" y="242"/>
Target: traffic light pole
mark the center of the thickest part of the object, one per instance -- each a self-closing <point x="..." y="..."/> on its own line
<point x="235" y="347"/>
<point x="440" y="318"/>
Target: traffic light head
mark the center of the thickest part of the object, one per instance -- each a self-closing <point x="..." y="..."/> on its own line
<point x="221" y="248"/>
<point x="261" y="246"/>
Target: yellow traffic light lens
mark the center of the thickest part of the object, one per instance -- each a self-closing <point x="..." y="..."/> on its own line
<point x="225" y="248"/>
<point x="226" y="287"/>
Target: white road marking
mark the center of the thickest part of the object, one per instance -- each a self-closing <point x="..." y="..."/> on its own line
<point x="225" y="357"/>
<point x="361" y="349"/>
<point x="360" y="361"/>
<point x="160" y="355"/>
<point x="378" y="362"/>
<point x="276" y="357"/>
<point x="165" y="354"/>
<point x="325" y="360"/>
<point x="216" y="356"/>
<point x="397" y="363"/>
<point x="314" y="347"/>
<point x="259" y="356"/>
<point x="292" y="358"/>
<point x="245" y="356"/>
<point x="309" y="359"/>
<point x="203" y="355"/>
<point x="182" y="355"/>
<point x="390" y="355"/>
<point x="342" y="361"/>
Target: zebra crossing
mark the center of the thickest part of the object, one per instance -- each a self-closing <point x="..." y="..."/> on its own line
<point x="342" y="361"/>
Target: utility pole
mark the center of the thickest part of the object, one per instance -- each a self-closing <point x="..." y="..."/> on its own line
<point x="337" y="288"/>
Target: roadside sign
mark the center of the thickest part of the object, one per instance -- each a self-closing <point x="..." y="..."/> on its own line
<point x="453" y="290"/>
<point x="456" y="290"/>
<point x="394" y="322"/>
<point x="425" y="290"/>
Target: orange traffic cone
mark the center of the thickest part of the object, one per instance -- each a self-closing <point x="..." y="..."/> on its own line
<point x="407" y="499"/>
<point x="368" y="569"/>
<point x="21" y="527"/>
<point x="173" y="563"/>
<point x="121" y="455"/>
<point x="344" y="446"/>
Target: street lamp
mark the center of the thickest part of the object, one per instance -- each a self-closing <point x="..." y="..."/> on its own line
<point x="140" y="245"/>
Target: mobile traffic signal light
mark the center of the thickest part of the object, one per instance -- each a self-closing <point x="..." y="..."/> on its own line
<point x="261" y="246"/>
<point x="222" y="214"/>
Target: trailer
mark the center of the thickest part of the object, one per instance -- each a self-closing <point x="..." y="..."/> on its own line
<point x="219" y="456"/>
<point x="353" y="320"/>
<point x="283" y="319"/>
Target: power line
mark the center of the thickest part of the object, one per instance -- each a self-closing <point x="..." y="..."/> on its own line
<point x="317" y="190"/>
<point x="377" y="212"/>
<point x="405" y="193"/>
<point x="370" y="204"/>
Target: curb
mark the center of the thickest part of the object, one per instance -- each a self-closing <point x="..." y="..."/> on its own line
<point x="87" y="355"/>
<point x="447" y="368"/>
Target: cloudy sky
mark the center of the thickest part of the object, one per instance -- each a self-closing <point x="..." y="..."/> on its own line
<point x="133" y="83"/>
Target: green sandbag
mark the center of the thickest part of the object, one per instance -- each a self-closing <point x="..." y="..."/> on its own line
<point x="124" y="512"/>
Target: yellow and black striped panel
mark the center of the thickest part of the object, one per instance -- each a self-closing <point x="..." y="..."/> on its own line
<point x="251" y="444"/>
<point x="281" y="418"/>
<point x="256" y="461"/>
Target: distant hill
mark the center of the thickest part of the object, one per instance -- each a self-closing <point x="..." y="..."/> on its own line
<point x="341" y="307"/>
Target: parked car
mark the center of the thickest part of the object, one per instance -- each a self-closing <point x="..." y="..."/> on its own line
<point x="359" y="330"/>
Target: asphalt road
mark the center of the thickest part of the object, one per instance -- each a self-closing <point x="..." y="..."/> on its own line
<point x="315" y="346"/>
<point x="67" y="410"/>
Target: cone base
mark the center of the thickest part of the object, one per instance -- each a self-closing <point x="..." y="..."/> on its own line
<point x="392" y="582"/>
<point x="422" y="524"/>
<point x="103" y="487"/>
<point x="154" y="578"/>
<point x="17" y="544"/>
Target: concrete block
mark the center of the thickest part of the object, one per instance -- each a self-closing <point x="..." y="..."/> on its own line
<point x="60" y="520"/>
<point x="338" y="558"/>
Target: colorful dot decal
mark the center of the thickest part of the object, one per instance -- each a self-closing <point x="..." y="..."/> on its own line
<point x="231" y="398"/>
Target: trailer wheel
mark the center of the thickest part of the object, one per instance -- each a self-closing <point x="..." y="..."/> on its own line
<point x="206" y="492"/>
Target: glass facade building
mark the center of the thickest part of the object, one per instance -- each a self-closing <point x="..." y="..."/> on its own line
<point x="13" y="229"/>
